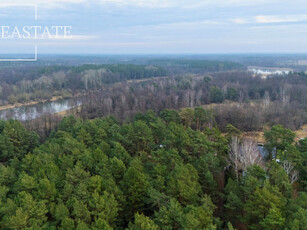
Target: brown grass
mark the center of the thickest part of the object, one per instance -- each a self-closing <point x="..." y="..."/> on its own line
<point x="301" y="133"/>
<point x="68" y="112"/>
<point x="259" y="136"/>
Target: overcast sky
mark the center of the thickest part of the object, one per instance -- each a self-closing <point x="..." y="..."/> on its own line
<point x="162" y="26"/>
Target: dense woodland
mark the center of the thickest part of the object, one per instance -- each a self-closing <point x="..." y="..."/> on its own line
<point x="24" y="84"/>
<point x="235" y="97"/>
<point x="153" y="172"/>
<point x="240" y="99"/>
<point x="45" y="83"/>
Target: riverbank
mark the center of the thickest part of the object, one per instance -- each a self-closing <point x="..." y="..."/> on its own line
<point x="16" y="105"/>
<point x="72" y="111"/>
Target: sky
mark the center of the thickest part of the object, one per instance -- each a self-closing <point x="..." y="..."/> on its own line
<point x="160" y="26"/>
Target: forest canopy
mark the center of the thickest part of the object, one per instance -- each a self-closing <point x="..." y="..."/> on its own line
<point x="167" y="171"/>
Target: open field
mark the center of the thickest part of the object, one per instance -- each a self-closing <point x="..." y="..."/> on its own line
<point x="259" y="136"/>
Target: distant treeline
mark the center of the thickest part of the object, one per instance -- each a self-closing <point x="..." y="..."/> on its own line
<point x="126" y="71"/>
<point x="24" y="84"/>
<point x="196" y="66"/>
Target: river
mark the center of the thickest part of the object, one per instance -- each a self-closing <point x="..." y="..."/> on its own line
<point x="31" y="112"/>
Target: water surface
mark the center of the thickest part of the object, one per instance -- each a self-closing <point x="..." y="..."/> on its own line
<point x="30" y="112"/>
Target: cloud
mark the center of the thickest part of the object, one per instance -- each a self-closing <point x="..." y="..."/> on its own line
<point x="40" y="3"/>
<point x="239" y="20"/>
<point x="155" y="25"/>
<point x="270" y="19"/>
<point x="143" y="3"/>
<point x="280" y="18"/>
<point x="136" y="3"/>
<point x="185" y="3"/>
<point x="73" y="37"/>
<point x="22" y="2"/>
<point x="63" y="38"/>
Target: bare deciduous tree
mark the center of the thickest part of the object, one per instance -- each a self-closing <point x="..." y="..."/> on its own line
<point x="266" y="100"/>
<point x="250" y="153"/>
<point x="294" y="176"/>
<point x="244" y="154"/>
<point x="291" y="172"/>
<point x="288" y="166"/>
<point x="234" y="153"/>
